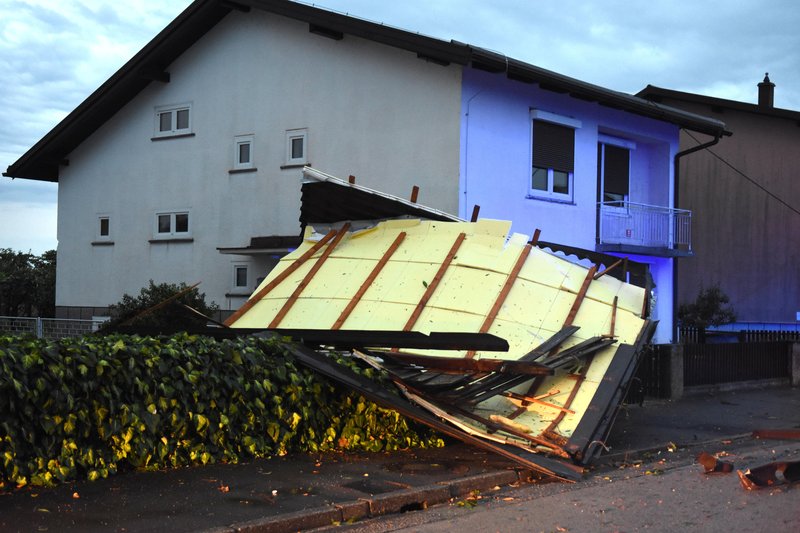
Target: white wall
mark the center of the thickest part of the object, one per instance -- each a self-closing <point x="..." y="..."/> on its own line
<point x="373" y="111"/>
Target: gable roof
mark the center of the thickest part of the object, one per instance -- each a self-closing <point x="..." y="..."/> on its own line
<point x="657" y="94"/>
<point x="42" y="161"/>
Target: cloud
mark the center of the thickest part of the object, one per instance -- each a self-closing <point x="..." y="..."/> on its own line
<point x="54" y="53"/>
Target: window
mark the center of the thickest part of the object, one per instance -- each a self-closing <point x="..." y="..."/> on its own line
<point x="243" y="152"/>
<point x="104" y="227"/>
<point x="173" y="120"/>
<point x="172" y="224"/>
<point x="553" y="160"/>
<point x="297" y="147"/>
<point x="239" y="276"/>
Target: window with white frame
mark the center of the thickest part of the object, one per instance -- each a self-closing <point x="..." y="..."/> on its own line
<point x="172" y="224"/>
<point x="552" y="156"/>
<point x="240" y="277"/>
<point x="103" y="227"/>
<point x="173" y="120"/>
<point x="297" y="147"/>
<point x="243" y="152"/>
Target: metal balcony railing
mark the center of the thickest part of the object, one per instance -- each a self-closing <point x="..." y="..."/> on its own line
<point x="633" y="224"/>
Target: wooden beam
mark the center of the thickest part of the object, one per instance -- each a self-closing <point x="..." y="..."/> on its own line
<point x="368" y="281"/>
<point x="456" y="364"/>
<point x="535" y="240"/>
<point x="434" y="283"/>
<point x="254" y="299"/>
<point x="576" y="305"/>
<point x="503" y="294"/>
<point x="351" y="179"/>
<point x="476" y="209"/>
<point x="613" y="316"/>
<point x="607" y="270"/>
<point x="414" y="194"/>
<point x="308" y="277"/>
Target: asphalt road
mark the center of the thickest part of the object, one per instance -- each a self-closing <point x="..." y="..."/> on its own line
<point x="666" y="492"/>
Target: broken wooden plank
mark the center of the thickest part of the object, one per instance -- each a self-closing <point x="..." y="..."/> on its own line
<point x="452" y="364"/>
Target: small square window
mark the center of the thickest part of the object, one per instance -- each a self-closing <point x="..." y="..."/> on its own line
<point x="243" y="151"/>
<point x="173" y="120"/>
<point x="165" y="223"/>
<point x="297" y="147"/>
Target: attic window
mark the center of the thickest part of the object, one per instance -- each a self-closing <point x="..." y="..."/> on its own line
<point x="172" y="121"/>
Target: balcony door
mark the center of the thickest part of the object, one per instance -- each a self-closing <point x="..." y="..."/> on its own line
<point x="613" y="174"/>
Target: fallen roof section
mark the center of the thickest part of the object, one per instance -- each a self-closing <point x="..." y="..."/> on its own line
<point x="574" y="334"/>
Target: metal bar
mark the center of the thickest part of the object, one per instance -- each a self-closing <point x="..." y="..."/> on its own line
<point x="434" y="283"/>
<point x="254" y="299"/>
<point x="501" y="297"/>
<point x="308" y="277"/>
<point x="368" y="282"/>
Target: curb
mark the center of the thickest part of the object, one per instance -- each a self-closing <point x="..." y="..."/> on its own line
<point x="420" y="497"/>
<point x="394" y="502"/>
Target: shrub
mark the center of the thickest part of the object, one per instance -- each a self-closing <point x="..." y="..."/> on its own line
<point x="85" y="408"/>
<point x="708" y="309"/>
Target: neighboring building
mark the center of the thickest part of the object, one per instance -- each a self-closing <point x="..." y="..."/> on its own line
<point x="185" y="165"/>
<point x="745" y="194"/>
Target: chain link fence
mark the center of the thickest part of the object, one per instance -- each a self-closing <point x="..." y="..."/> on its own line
<point x="49" y="328"/>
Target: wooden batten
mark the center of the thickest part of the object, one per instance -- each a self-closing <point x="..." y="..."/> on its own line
<point x="308" y="277"/>
<point x="368" y="281"/>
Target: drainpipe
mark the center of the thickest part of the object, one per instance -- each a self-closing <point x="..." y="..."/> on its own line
<point x="675" y="204"/>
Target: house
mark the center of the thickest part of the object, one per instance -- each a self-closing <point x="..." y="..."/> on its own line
<point x="186" y="164"/>
<point x="748" y="243"/>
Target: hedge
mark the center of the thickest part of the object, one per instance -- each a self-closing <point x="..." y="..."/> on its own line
<point x="88" y="407"/>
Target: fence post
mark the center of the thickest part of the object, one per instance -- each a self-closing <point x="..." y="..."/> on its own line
<point x="795" y="364"/>
<point x="676" y="372"/>
<point x="39" y="328"/>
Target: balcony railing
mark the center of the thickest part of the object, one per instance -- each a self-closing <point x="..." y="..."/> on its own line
<point x="629" y="225"/>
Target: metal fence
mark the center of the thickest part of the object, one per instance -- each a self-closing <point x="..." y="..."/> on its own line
<point x="49" y="328"/>
<point x="645" y="225"/>
<point x="710" y="364"/>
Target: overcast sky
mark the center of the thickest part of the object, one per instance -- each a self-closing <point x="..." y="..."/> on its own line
<point x="54" y="53"/>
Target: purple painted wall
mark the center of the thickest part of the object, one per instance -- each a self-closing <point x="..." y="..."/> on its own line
<point x="496" y="151"/>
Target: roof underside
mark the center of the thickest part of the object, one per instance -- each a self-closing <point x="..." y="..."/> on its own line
<point x="657" y="94"/>
<point x="149" y="65"/>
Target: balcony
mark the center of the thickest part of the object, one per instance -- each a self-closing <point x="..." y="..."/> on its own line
<point x="628" y="227"/>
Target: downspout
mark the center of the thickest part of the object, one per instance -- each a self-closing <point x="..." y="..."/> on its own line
<point x="675" y="204"/>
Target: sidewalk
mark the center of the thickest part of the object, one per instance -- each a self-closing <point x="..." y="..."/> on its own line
<point x="301" y="492"/>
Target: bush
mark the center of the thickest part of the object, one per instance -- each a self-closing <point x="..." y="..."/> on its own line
<point x="708" y="309"/>
<point x="85" y="408"/>
<point x="157" y="307"/>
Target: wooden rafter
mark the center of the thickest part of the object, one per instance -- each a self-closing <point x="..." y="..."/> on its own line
<point x="308" y="277"/>
<point x="503" y="294"/>
<point x="434" y="283"/>
<point x="368" y="282"/>
<point x="254" y="299"/>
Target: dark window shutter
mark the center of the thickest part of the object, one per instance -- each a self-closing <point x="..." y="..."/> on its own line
<point x="617" y="169"/>
<point x="553" y="146"/>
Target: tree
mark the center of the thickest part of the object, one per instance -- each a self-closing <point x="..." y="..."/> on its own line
<point x="709" y="309"/>
<point x="27" y="283"/>
<point x="157" y="306"/>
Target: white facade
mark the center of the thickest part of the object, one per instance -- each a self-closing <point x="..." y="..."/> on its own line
<point x="361" y="108"/>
